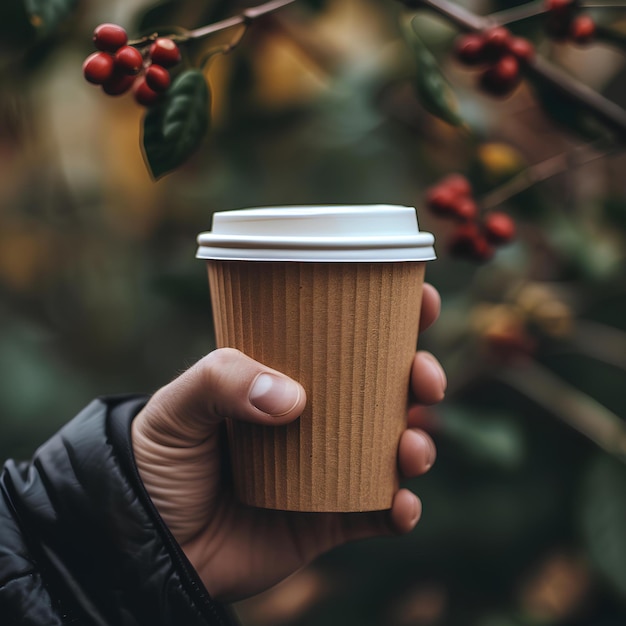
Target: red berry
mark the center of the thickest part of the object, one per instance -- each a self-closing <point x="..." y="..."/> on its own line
<point x="441" y="199"/>
<point x="165" y="52"/>
<point x="158" y="78"/>
<point x="499" y="227"/>
<point x="501" y="78"/>
<point x="496" y="42"/>
<point x="458" y="184"/>
<point x="118" y="84"/>
<point x="482" y="250"/>
<point x="469" y="243"/>
<point x="582" y="29"/>
<point x="470" y="49"/>
<point x="143" y="94"/>
<point x="128" y="60"/>
<point x="109" y="37"/>
<point x="466" y="209"/>
<point x="522" y="49"/>
<point x="464" y="235"/>
<point x="98" y="67"/>
<point x="507" y="69"/>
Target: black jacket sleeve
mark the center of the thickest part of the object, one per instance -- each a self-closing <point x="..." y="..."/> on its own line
<point x="80" y="540"/>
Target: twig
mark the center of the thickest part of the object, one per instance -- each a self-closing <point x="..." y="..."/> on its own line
<point x="557" y="164"/>
<point x="533" y="9"/>
<point x="576" y="409"/>
<point x="602" y="4"/>
<point x="460" y="16"/>
<point x="243" y="19"/>
<point x="608" y="112"/>
<point x="249" y="15"/>
<point x="518" y="13"/>
<point x="613" y="116"/>
<point x="601" y="342"/>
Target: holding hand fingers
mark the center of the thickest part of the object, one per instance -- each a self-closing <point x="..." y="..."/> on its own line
<point x="239" y="550"/>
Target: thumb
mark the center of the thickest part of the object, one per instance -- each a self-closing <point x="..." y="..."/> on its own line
<point x="224" y="384"/>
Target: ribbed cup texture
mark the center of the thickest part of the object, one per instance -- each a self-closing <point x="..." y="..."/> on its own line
<point x="348" y="333"/>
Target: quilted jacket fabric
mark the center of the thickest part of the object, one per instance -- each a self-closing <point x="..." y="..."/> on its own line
<point x="80" y="541"/>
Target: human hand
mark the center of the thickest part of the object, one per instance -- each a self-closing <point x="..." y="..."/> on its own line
<point x="239" y="551"/>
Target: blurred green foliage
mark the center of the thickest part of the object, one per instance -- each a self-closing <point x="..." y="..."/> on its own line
<point x="524" y="518"/>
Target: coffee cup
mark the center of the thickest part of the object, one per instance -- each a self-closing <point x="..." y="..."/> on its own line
<point x="330" y="296"/>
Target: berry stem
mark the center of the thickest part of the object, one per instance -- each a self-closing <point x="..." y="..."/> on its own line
<point x="224" y="48"/>
<point x="612" y="115"/>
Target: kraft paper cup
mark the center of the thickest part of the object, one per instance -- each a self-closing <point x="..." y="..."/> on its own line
<point x="330" y="296"/>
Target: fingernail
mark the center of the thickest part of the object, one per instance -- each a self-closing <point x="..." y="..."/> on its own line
<point x="417" y="511"/>
<point x="431" y="452"/>
<point x="274" y="395"/>
<point x="440" y="372"/>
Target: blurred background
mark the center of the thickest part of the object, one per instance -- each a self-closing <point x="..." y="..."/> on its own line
<point x="524" y="519"/>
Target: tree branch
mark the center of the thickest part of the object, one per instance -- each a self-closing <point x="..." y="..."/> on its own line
<point x="613" y="116"/>
<point x="242" y="19"/>
<point x="248" y="16"/>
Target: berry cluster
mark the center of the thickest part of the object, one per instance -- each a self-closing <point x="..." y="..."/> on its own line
<point x="499" y="54"/>
<point x="565" y="24"/>
<point x="503" y="331"/>
<point x="475" y="235"/>
<point x="117" y="66"/>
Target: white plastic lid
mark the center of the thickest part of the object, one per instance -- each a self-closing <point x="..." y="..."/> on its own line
<point x="368" y="233"/>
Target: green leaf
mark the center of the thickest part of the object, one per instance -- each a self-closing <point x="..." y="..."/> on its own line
<point x="432" y="88"/>
<point x="47" y="15"/>
<point x="603" y="519"/>
<point x="175" y="128"/>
